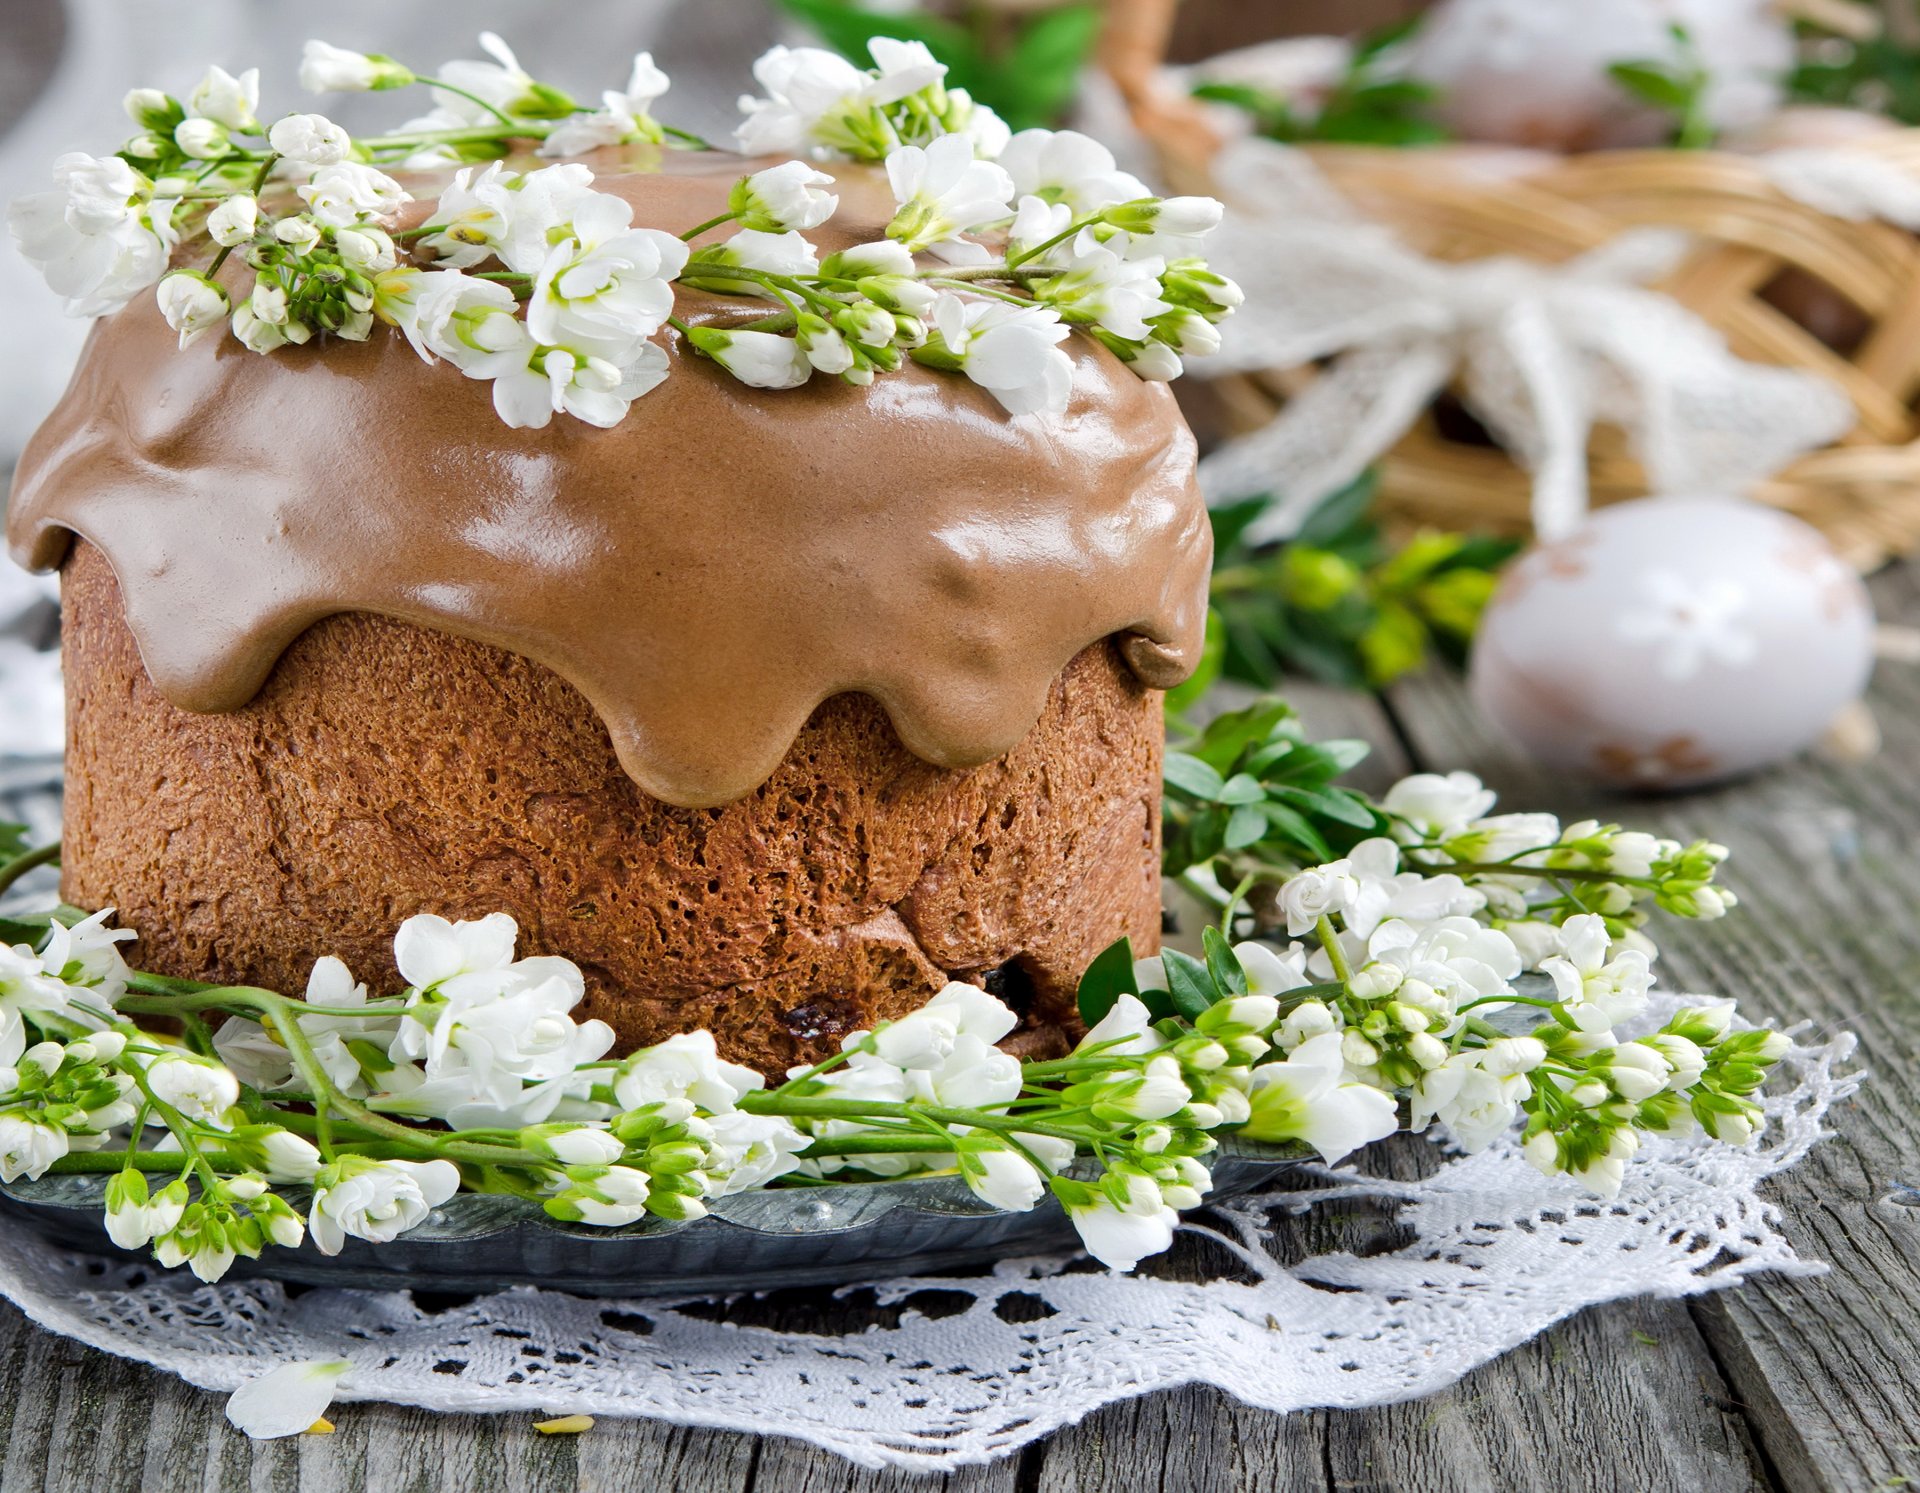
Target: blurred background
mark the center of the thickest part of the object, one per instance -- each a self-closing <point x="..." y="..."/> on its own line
<point x="1640" y="248"/>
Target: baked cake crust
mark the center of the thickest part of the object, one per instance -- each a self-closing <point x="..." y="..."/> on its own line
<point x="386" y="769"/>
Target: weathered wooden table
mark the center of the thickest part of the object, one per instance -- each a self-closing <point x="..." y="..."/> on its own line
<point x="1794" y="1384"/>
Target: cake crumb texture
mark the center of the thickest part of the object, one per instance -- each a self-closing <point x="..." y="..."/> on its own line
<point x="387" y="769"/>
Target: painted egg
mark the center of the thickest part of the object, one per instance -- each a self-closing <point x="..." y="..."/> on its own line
<point x="1674" y="641"/>
<point x="1534" y="72"/>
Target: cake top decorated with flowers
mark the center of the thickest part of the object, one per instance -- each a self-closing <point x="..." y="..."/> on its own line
<point x="997" y="248"/>
<point x="867" y="412"/>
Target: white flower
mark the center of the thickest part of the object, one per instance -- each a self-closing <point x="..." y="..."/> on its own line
<point x="1501" y="837"/>
<point x="1160" y="1090"/>
<point x="761" y="360"/>
<point x="28" y="1147"/>
<point x="524" y="1034"/>
<point x="1506" y="1055"/>
<point x="203" y="1091"/>
<point x="1306" y="1099"/>
<point x="1010" y="351"/>
<point x="815" y="98"/>
<point x="783" y="197"/>
<point x="925" y="1038"/>
<point x="325" y="68"/>
<point x="502" y="83"/>
<point x="1270" y="971"/>
<point x="233" y="220"/>
<point x="901" y="68"/>
<point x="229" y="100"/>
<point x="686" y="1067"/>
<point x="430" y="951"/>
<point x="87" y="954"/>
<point x="202" y="139"/>
<point x="1599" y="993"/>
<point x="1637" y="1071"/>
<point x="1066" y="167"/>
<point x="803" y="85"/>
<point x="623" y="116"/>
<point x="1096" y="285"/>
<point x="286" y="1400"/>
<point x="1128" y="1027"/>
<point x="192" y="304"/>
<point x="1167" y="224"/>
<point x="376" y="1200"/>
<point x="91" y="237"/>
<point x="588" y="388"/>
<point x="1307" y="1020"/>
<point x="614" y="1198"/>
<point x="1476" y="1105"/>
<point x="1036" y="222"/>
<point x="346" y="193"/>
<point x="135" y="1219"/>
<point x="748" y="1151"/>
<point x="289" y="1158"/>
<point x="366" y="248"/>
<point x="581" y="1145"/>
<point x="1121" y="1235"/>
<point x="1454" y="956"/>
<point x="942" y="191"/>
<point x="310" y="139"/>
<point x="476" y="212"/>
<point x="607" y="288"/>
<point x="1690" y="625"/>
<point x="774" y="253"/>
<point x="1430" y="806"/>
<point x="1001" y="1178"/>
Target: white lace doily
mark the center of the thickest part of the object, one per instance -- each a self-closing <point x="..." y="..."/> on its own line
<point x="1498" y="1254"/>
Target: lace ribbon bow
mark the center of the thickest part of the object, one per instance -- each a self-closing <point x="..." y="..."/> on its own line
<point x="1541" y="353"/>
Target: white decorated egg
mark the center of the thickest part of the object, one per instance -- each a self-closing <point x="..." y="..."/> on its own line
<point x="1674" y="641"/>
<point x="1534" y="72"/>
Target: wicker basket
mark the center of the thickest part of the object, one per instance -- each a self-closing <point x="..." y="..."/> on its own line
<point x="1783" y="282"/>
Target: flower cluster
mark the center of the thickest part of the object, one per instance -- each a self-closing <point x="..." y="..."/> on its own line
<point x="1001" y="245"/>
<point x="1386" y="984"/>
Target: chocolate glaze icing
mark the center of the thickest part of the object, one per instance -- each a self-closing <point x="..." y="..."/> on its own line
<point x="706" y="573"/>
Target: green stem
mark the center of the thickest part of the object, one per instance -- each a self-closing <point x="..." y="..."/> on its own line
<point x="96" y="1162"/>
<point x="686" y="136"/>
<point x="776" y="1103"/>
<point x="472" y="98"/>
<point x="693" y="233"/>
<point x="1014" y="261"/>
<point x="1336" y="956"/>
<point x="14" y="869"/>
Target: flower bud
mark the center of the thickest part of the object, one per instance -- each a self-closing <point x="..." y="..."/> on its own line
<point x="152" y="109"/>
<point x="203" y="139"/>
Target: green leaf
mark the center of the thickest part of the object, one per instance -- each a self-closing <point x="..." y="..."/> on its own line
<point x="1339" y="514"/>
<point x="1206" y="673"/>
<point x="1241" y="789"/>
<point x="1188" y="983"/>
<point x="1109" y="977"/>
<point x="1298" y="830"/>
<point x="1191" y="776"/>
<point x="1228" y="736"/>
<point x="1040" y="76"/>
<point x="1223" y="965"/>
<point x="1396" y="644"/>
<point x="13" y="841"/>
<point x="1652" y="82"/>
<point x="1246" y="825"/>
<point x="1339" y="804"/>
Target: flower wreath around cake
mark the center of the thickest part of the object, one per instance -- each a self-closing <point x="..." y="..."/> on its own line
<point x="1356" y="948"/>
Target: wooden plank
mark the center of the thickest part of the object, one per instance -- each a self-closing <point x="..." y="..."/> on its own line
<point x="1827" y="861"/>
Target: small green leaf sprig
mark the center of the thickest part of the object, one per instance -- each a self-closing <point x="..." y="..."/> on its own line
<point x="1338" y="601"/>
